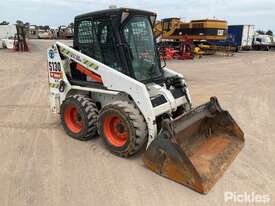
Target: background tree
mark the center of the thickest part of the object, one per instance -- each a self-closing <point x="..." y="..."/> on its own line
<point x="260" y="32"/>
<point x="44" y="27"/>
<point x="71" y="25"/>
<point x="269" y="32"/>
<point x="19" y="22"/>
<point x="4" y="23"/>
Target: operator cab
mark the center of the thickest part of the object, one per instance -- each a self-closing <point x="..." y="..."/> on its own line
<point x="120" y="38"/>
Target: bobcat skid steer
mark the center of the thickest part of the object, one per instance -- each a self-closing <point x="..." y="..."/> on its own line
<point x="111" y="83"/>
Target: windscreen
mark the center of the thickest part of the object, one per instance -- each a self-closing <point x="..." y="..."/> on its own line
<point x="143" y="57"/>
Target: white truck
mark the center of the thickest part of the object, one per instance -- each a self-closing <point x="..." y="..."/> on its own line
<point x="263" y="42"/>
<point x="7" y="33"/>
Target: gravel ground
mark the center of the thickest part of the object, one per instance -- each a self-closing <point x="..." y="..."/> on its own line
<point x="40" y="165"/>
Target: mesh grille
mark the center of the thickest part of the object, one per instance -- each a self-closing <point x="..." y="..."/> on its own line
<point x="96" y="40"/>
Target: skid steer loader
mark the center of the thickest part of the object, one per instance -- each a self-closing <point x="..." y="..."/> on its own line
<point x="111" y="83"/>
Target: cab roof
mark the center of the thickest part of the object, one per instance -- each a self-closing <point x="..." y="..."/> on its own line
<point x="111" y="12"/>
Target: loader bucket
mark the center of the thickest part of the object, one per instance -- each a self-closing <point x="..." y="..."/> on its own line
<point x="196" y="148"/>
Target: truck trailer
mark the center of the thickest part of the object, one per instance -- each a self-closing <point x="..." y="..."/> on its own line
<point x="241" y="35"/>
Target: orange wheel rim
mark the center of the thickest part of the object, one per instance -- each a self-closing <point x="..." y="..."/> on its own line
<point x="115" y="130"/>
<point x="73" y="119"/>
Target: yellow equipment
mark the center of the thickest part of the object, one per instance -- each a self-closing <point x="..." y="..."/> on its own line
<point x="200" y="31"/>
<point x="206" y="29"/>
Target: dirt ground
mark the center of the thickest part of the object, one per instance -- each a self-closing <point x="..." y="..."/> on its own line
<point x="41" y="165"/>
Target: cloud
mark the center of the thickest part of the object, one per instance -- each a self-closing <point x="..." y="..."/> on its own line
<point x="56" y="12"/>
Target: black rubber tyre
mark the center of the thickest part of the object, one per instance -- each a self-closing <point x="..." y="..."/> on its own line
<point x="130" y="122"/>
<point x="79" y="117"/>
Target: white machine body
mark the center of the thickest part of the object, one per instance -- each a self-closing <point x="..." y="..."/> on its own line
<point x="117" y="86"/>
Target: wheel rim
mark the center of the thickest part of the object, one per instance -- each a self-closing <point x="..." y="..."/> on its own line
<point x="73" y="119"/>
<point x="115" y="130"/>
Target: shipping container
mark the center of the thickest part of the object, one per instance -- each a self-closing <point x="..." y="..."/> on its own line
<point x="241" y="35"/>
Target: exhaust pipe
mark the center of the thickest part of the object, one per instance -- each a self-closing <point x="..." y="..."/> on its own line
<point x="197" y="147"/>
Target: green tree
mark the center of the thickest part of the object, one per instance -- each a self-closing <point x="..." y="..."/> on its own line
<point x="4" y="23"/>
<point x="71" y="25"/>
<point x="44" y="27"/>
<point x="260" y="32"/>
<point x="269" y="32"/>
<point x="19" y="22"/>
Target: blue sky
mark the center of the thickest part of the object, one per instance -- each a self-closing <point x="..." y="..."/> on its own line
<point x="57" y="12"/>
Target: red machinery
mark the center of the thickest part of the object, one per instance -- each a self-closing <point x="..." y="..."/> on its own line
<point x="177" y="50"/>
<point x="185" y="50"/>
